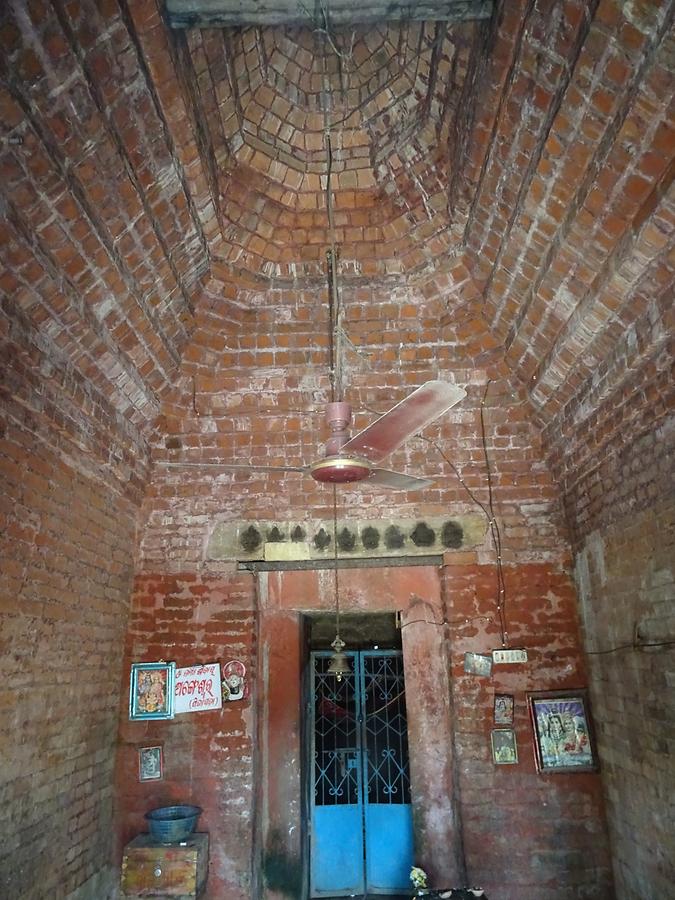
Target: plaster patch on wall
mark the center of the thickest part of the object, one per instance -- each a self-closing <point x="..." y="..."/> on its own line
<point x="596" y="548"/>
<point x="257" y="540"/>
<point x="582" y="578"/>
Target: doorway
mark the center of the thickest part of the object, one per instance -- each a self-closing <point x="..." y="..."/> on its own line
<point x="360" y="816"/>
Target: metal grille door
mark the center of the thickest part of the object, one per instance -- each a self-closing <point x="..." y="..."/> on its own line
<point x="361" y="829"/>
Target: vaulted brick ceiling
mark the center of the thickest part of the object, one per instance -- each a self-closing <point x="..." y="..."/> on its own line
<point x="512" y="176"/>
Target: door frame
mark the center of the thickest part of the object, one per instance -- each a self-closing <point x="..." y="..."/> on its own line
<point x="286" y="600"/>
<point x="309" y="772"/>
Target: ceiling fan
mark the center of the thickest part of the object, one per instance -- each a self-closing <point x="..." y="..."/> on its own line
<point x="356" y="460"/>
<point x="350" y="460"/>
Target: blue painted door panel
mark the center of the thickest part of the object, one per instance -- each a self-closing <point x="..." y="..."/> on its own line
<point x="361" y="818"/>
<point x="389" y="847"/>
<point x="337" y="851"/>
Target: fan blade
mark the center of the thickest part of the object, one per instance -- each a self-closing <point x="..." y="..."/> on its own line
<point x="395" y="480"/>
<point x="408" y="417"/>
<point x="234" y="467"/>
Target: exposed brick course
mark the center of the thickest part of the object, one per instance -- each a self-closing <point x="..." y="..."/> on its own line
<point x="209" y="757"/>
<point x="72" y="475"/>
<point x="503" y="207"/>
<point x="268" y="407"/>
<point x="613" y="452"/>
<point x="526" y="835"/>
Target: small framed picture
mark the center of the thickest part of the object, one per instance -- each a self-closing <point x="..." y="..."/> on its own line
<point x="503" y="712"/>
<point x="477" y="664"/>
<point x="504" y="747"/>
<point x="151" y="692"/>
<point x="563" y="732"/>
<point x="150" y="764"/>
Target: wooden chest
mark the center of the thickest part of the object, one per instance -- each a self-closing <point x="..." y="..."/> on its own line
<point x="151" y="869"/>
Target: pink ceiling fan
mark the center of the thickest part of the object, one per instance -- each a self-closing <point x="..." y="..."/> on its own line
<point x="356" y="460"/>
<point x="351" y="460"/>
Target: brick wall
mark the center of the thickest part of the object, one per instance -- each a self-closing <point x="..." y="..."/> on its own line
<point x="612" y="450"/>
<point x="208" y="756"/>
<point x="266" y="406"/>
<point x="70" y="475"/>
<point x="526" y="835"/>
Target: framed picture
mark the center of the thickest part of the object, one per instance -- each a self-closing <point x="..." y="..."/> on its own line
<point x="503" y="712"/>
<point x="150" y="764"/>
<point x="563" y="733"/>
<point x="477" y="664"/>
<point x="504" y="747"/>
<point x="151" y="692"/>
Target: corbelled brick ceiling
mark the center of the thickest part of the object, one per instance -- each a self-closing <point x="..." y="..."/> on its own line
<point x="516" y="173"/>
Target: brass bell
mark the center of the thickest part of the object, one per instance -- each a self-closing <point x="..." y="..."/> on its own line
<point x="339" y="662"/>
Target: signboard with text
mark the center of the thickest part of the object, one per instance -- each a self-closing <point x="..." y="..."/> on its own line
<point x="198" y="688"/>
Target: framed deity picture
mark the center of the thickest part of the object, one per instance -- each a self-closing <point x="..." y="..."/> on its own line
<point x="150" y="764"/>
<point x="151" y="692"/>
<point x="563" y="731"/>
<point x="503" y="711"/>
<point x="504" y="747"/>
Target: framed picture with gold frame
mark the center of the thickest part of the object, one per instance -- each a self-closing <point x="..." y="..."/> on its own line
<point x="503" y="709"/>
<point x="563" y="731"/>
<point x="504" y="746"/>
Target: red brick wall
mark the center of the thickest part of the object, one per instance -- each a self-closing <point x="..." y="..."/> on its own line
<point x="612" y="451"/>
<point x="526" y="835"/>
<point x="267" y="405"/>
<point x="208" y="756"/>
<point x="267" y="408"/>
<point x="70" y="472"/>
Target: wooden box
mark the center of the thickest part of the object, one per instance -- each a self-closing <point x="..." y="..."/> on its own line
<point x="151" y="869"/>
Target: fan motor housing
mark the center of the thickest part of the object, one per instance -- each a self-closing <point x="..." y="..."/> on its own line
<point x="340" y="469"/>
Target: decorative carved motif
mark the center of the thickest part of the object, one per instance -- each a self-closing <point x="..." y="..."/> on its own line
<point x="355" y="539"/>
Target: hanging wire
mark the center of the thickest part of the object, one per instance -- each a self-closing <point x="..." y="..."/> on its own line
<point x="494" y="527"/>
<point x="334" y="305"/>
<point x="335" y="564"/>
<point x="488" y="511"/>
<point x="334" y="341"/>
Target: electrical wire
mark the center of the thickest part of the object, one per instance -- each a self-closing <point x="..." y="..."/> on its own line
<point x="494" y="527"/>
<point x="488" y="511"/>
<point x="635" y="645"/>
<point x="450" y="622"/>
<point x="334" y="305"/>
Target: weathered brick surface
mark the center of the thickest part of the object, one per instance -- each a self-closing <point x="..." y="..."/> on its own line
<point x="101" y="243"/>
<point x="209" y="757"/>
<point x="613" y="451"/>
<point x="573" y="199"/>
<point x="256" y="95"/>
<point x="71" y="475"/>
<point x="267" y="408"/>
<point x="526" y="835"/>
<point x="504" y="209"/>
<point x="625" y="573"/>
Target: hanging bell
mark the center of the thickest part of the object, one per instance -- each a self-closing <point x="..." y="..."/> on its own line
<point x="339" y="662"/>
